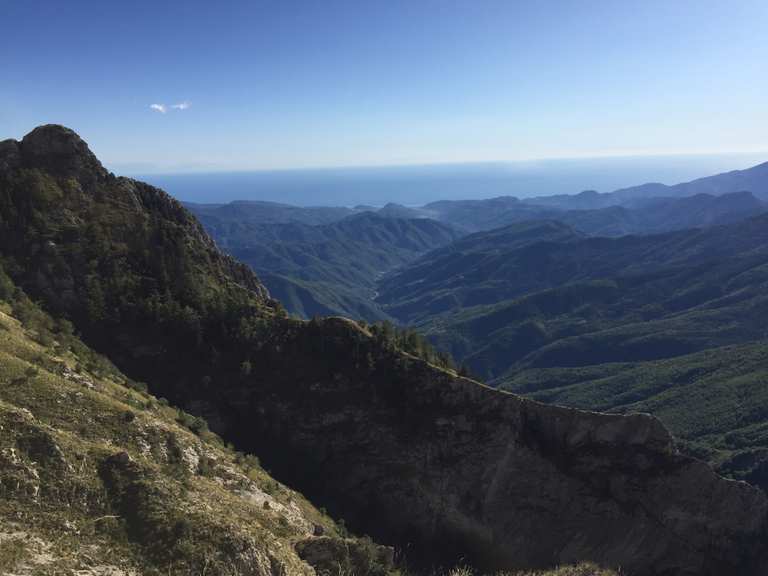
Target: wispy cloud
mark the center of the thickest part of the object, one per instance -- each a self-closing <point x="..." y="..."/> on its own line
<point x="163" y="108"/>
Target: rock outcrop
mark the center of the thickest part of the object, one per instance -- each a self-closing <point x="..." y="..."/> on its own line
<point x="441" y="466"/>
<point x="448" y="468"/>
<point x="61" y="152"/>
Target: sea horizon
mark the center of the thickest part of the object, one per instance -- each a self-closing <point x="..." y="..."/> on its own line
<point x="416" y="185"/>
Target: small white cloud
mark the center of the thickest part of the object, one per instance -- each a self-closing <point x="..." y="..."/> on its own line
<point x="162" y="108"/>
<point x="181" y="105"/>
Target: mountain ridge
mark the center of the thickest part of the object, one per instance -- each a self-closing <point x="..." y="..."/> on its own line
<point x="444" y="463"/>
<point x="705" y="201"/>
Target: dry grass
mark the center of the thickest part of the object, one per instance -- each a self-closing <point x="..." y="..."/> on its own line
<point x="583" y="569"/>
<point x="60" y="422"/>
<point x="13" y="551"/>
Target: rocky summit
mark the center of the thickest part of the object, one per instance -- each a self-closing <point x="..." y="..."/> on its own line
<point x="440" y="466"/>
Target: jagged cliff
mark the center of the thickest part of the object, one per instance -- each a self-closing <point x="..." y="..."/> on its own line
<point x="444" y="464"/>
<point x="418" y="457"/>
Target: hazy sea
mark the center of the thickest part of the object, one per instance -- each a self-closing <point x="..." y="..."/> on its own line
<point x="417" y="185"/>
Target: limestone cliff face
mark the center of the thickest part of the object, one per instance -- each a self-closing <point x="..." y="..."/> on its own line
<point x="447" y="468"/>
<point x="442" y="466"/>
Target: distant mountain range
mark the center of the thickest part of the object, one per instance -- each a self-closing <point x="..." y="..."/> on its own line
<point x="754" y="180"/>
<point x="476" y="215"/>
<point x="328" y="260"/>
<point x="638" y="216"/>
<point x="217" y="216"/>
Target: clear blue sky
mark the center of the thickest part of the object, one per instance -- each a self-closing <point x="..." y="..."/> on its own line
<point x="275" y="84"/>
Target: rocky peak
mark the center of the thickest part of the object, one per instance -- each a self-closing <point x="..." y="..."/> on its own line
<point x="59" y="151"/>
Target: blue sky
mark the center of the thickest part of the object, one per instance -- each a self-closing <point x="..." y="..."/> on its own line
<point x="285" y="84"/>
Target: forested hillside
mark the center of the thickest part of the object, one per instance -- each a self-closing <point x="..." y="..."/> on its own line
<point x="330" y="268"/>
<point x="486" y="268"/>
<point x="607" y="324"/>
<point x="332" y="260"/>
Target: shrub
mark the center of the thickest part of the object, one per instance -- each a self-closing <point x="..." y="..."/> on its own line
<point x="412" y="342"/>
<point x="137" y="386"/>
<point x="196" y="424"/>
<point x="248" y="461"/>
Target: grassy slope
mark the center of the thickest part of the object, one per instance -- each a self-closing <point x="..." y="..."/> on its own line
<point x="95" y="473"/>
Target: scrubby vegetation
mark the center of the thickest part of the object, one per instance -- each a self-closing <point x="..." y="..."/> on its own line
<point x="129" y="278"/>
<point x="97" y="475"/>
<point x="586" y="569"/>
<point x="669" y="324"/>
<point x="326" y="269"/>
<point x="412" y="342"/>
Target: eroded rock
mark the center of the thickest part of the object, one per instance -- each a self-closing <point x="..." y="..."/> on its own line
<point x="446" y="468"/>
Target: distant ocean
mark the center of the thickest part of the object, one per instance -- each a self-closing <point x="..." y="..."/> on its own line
<point x="417" y="185"/>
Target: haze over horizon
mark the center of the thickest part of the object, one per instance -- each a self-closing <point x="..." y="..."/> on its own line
<point x="417" y="185"/>
<point x="269" y="85"/>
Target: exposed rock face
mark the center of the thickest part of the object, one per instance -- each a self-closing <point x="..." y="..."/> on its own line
<point x="61" y="152"/>
<point x="448" y="468"/>
<point x="415" y="456"/>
